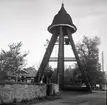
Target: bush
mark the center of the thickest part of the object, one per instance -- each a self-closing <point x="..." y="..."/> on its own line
<point x="3" y="75"/>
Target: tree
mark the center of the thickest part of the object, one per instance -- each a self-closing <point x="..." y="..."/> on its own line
<point x="88" y="52"/>
<point x="12" y="60"/>
<point x="54" y="75"/>
<point x="68" y="75"/>
<point x="47" y="74"/>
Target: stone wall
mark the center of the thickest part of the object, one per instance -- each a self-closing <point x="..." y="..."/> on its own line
<point x="19" y="92"/>
<point x="24" y="91"/>
<point x="56" y="88"/>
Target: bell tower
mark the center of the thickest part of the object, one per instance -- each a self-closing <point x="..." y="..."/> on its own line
<point x="62" y="26"/>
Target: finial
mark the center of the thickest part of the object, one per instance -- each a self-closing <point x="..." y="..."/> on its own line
<point x="62" y="2"/>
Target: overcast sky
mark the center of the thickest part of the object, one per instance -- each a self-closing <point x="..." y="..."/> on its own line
<point x="27" y="21"/>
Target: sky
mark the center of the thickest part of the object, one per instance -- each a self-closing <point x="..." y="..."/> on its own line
<point x="28" y="20"/>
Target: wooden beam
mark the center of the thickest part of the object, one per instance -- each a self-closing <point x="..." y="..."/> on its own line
<point x="45" y="58"/>
<point x="66" y="59"/>
<point x="78" y="61"/>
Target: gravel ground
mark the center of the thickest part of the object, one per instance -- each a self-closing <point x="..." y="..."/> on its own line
<point x="78" y="98"/>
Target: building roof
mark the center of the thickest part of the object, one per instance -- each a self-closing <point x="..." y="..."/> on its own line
<point x="62" y="19"/>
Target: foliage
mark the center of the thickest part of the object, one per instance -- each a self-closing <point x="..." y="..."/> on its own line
<point x="54" y="75"/>
<point x="47" y="74"/>
<point x="3" y="75"/>
<point x="68" y="75"/>
<point x="12" y="60"/>
<point x="88" y="52"/>
<point x="71" y="76"/>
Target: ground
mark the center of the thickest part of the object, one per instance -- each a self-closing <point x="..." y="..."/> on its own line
<point x="78" y="98"/>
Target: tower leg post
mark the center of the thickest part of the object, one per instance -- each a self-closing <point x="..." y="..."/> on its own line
<point x="46" y="58"/>
<point x="78" y="60"/>
<point x="60" y="67"/>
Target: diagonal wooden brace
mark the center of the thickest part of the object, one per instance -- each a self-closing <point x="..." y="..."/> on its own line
<point x="45" y="60"/>
<point x="78" y="60"/>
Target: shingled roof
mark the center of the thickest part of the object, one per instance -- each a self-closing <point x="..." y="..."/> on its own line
<point x="62" y="19"/>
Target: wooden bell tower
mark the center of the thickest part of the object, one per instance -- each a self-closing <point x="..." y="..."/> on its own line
<point x="62" y="26"/>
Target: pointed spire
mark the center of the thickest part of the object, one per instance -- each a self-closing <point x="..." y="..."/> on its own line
<point x="62" y="8"/>
<point x="62" y="5"/>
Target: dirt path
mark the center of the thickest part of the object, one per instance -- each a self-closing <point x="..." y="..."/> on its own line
<point x="77" y="98"/>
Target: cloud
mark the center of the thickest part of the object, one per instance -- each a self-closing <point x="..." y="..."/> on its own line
<point x="84" y="8"/>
